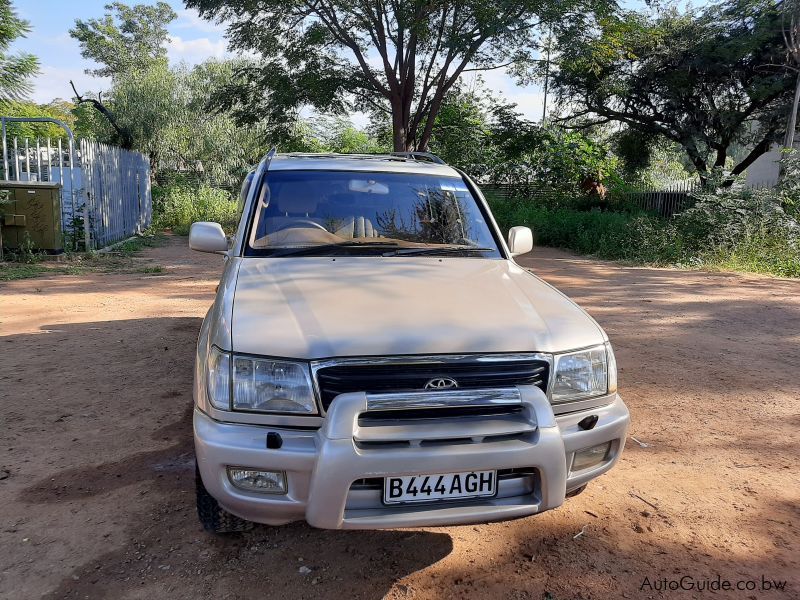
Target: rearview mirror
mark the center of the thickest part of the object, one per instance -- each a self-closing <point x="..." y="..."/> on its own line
<point x="207" y="237"/>
<point x="520" y="240"/>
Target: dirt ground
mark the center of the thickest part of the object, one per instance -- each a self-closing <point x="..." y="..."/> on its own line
<point x="96" y="471"/>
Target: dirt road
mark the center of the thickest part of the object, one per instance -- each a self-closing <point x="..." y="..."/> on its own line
<point x="96" y="472"/>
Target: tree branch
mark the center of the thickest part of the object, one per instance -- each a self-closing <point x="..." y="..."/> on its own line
<point x="125" y="138"/>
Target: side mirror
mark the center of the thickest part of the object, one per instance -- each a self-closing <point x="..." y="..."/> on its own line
<point x="207" y="237"/>
<point x="520" y="240"/>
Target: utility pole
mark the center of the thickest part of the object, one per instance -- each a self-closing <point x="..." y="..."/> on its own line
<point x="791" y="36"/>
<point x="790" y="129"/>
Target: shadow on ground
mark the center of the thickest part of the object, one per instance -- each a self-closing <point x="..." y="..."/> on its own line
<point x="97" y="488"/>
<point x="124" y="458"/>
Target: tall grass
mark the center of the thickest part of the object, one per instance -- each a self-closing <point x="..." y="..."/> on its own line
<point x="640" y="237"/>
<point x="177" y="207"/>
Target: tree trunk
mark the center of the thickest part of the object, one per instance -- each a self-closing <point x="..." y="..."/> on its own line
<point x="436" y="105"/>
<point x="399" y="125"/>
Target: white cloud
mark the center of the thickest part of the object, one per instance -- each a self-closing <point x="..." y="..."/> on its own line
<point x="195" y="51"/>
<point x="528" y="99"/>
<point x="53" y="82"/>
<point x="188" y="18"/>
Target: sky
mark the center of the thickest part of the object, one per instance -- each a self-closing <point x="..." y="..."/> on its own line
<point x="192" y="40"/>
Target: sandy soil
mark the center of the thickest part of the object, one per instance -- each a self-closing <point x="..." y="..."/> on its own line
<point x="96" y="472"/>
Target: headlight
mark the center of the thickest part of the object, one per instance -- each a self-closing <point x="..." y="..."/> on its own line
<point x="584" y="374"/>
<point x="219" y="378"/>
<point x="266" y="385"/>
<point x="259" y="384"/>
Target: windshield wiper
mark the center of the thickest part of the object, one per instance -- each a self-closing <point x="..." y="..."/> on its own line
<point x="462" y="250"/>
<point x="328" y="247"/>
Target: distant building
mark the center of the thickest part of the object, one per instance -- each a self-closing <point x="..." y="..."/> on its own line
<point x="765" y="170"/>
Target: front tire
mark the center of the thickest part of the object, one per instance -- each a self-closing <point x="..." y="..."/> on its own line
<point x="576" y="491"/>
<point x="214" y="518"/>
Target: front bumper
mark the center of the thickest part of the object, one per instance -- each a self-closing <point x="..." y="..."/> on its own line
<point x="331" y="472"/>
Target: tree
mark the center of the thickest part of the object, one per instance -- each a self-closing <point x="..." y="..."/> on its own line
<point x="126" y="38"/>
<point x="790" y="14"/>
<point x="338" y="134"/>
<point x="121" y="134"/>
<point x="57" y="109"/>
<point x="461" y="133"/>
<point x="712" y="80"/>
<point x="164" y="111"/>
<point x="399" y="58"/>
<point x="15" y="69"/>
<point x="533" y="156"/>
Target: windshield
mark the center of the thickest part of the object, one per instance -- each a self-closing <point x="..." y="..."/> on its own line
<point x="329" y="213"/>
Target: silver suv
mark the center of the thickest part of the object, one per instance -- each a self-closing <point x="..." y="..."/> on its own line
<point x="375" y="358"/>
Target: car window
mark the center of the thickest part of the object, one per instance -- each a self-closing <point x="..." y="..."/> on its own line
<point x="350" y="212"/>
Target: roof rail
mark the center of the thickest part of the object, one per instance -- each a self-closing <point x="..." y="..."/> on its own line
<point x="269" y="156"/>
<point x="429" y="156"/>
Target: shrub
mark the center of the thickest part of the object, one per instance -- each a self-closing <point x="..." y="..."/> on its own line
<point x="729" y="217"/>
<point x="732" y="229"/>
<point x="615" y="236"/>
<point x="177" y="207"/>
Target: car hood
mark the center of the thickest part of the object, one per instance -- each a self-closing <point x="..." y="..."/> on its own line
<point x="315" y="307"/>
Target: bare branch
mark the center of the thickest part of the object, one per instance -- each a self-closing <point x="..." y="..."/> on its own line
<point x="126" y="140"/>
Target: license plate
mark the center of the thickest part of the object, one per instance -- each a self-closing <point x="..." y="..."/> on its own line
<point x="444" y="486"/>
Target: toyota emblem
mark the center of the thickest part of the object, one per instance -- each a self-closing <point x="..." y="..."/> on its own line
<point x="441" y="383"/>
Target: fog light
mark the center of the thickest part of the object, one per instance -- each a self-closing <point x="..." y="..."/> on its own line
<point x="266" y="482"/>
<point x="590" y="457"/>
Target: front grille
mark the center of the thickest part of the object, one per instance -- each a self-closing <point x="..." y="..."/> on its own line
<point x="403" y="377"/>
<point x="421" y="414"/>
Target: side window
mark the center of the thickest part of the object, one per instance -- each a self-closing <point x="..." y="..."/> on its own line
<point x="243" y="193"/>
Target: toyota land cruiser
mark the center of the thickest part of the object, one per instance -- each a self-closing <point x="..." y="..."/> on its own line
<point x="376" y="358"/>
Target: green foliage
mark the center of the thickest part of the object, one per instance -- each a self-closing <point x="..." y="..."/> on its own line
<point x="91" y="124"/>
<point x="12" y="271"/>
<point x="321" y="54"/>
<point x="789" y="188"/>
<point x="746" y="239"/>
<point x="15" y="69"/>
<point x="535" y="156"/>
<point x="618" y="236"/>
<point x="126" y="38"/>
<point x="144" y="103"/>
<point x="26" y="253"/>
<point x="347" y="139"/>
<point x="180" y="206"/>
<point x="149" y="239"/>
<point x="57" y="109"/>
<point x="165" y="112"/>
<point x="462" y="129"/>
<point x="635" y="151"/>
<point x="711" y="80"/>
<point x="336" y="134"/>
<point x="722" y="220"/>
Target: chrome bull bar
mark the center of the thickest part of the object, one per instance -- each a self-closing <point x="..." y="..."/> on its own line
<point x="443" y="399"/>
<point x="340" y="462"/>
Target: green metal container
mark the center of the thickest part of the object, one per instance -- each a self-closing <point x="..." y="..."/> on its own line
<point x="31" y="210"/>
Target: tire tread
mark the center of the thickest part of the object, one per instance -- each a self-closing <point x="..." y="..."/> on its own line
<point x="213" y="517"/>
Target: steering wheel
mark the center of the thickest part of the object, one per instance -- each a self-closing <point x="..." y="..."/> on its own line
<point x="298" y="222"/>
